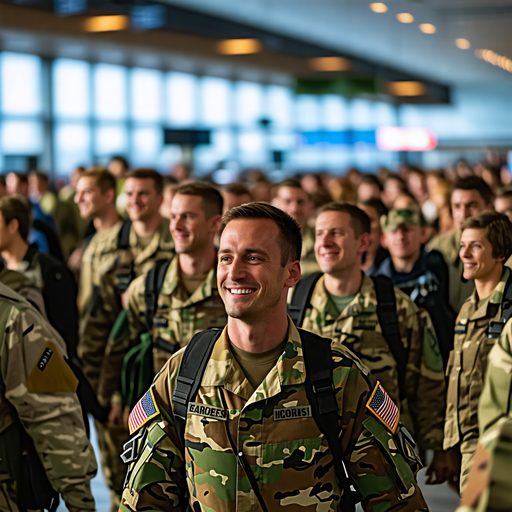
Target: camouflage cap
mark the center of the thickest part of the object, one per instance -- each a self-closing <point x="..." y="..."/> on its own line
<point x="395" y="218"/>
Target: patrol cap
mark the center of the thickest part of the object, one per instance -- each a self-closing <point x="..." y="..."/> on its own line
<point x="397" y="217"/>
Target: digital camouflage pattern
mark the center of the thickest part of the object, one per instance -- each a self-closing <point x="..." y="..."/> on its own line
<point x="308" y="263"/>
<point x="98" y="252"/>
<point x="358" y="328"/>
<point x="398" y="217"/>
<point x="466" y="371"/>
<point x="37" y="393"/>
<point x="448" y="244"/>
<point x="290" y="458"/>
<point x="179" y="316"/>
<point x="99" y="322"/>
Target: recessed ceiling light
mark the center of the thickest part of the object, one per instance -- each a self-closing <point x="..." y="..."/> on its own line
<point x="462" y="43"/>
<point x="405" y="17"/>
<point x="106" y="23"/>
<point x="378" y="7"/>
<point x="407" y="88"/>
<point x="427" y="28"/>
<point x="239" y="46"/>
<point x="329" y="64"/>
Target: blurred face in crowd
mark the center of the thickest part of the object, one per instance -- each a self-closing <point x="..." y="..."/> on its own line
<point x="165" y="208"/>
<point x="89" y="198"/>
<point x="250" y="277"/>
<point x="504" y="205"/>
<point x="15" y="186"/>
<point x="337" y="249"/>
<point x="375" y="231"/>
<point x="295" y="202"/>
<point x="392" y="189"/>
<point x="7" y="233"/>
<point x="476" y="255"/>
<point x="117" y="168"/>
<point x="232" y="200"/>
<point x="142" y="200"/>
<point x="367" y="191"/>
<point x="36" y="186"/>
<point x="190" y="229"/>
<point x="404" y="241"/>
<point x="465" y="204"/>
<point x="418" y="187"/>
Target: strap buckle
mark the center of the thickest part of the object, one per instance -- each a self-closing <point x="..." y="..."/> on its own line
<point x="322" y="386"/>
<point x="495" y="329"/>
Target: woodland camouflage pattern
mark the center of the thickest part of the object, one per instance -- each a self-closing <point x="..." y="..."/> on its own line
<point x="99" y="323"/>
<point x="45" y="403"/>
<point x="290" y="459"/>
<point x="357" y="328"/>
<point x="182" y="317"/>
<point x="466" y="370"/>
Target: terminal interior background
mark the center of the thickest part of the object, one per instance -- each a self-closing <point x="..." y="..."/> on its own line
<point x="286" y="86"/>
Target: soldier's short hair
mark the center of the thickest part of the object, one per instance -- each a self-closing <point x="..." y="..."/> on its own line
<point x="376" y="204"/>
<point x="290" y="238"/>
<point x="105" y="180"/>
<point x="212" y="201"/>
<point x="359" y="220"/>
<point x="17" y="207"/>
<point x="148" y="174"/>
<point x="237" y="189"/>
<point x="497" y="228"/>
<point x="371" y="179"/>
<point x="474" y="183"/>
<point x="41" y="176"/>
<point x="290" y="183"/>
<point x="122" y="160"/>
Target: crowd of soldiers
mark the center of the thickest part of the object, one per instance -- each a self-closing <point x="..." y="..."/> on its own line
<point x="405" y="278"/>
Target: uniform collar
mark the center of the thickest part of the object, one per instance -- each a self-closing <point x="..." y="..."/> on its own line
<point x="480" y="311"/>
<point x="223" y="369"/>
<point x="172" y="284"/>
<point x="365" y="300"/>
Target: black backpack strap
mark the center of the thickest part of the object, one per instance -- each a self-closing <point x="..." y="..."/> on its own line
<point x="192" y="368"/>
<point x="125" y="273"/>
<point x="123" y="238"/>
<point x="154" y="282"/>
<point x="388" y="320"/>
<point x="495" y="328"/>
<point x="324" y="407"/>
<point x="301" y="297"/>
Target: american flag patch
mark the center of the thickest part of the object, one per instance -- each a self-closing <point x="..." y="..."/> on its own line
<point x="384" y="408"/>
<point x="145" y="409"/>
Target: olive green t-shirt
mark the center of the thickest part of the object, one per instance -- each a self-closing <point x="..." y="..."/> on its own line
<point x="257" y="365"/>
<point x="341" y="302"/>
<point x="192" y="282"/>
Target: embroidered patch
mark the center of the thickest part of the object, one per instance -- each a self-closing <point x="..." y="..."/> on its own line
<point x="45" y="358"/>
<point x="207" y="411"/>
<point x="145" y="409"/>
<point x="384" y="408"/>
<point x="291" y="413"/>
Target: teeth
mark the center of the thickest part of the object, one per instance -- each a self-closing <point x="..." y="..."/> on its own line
<point x="242" y="291"/>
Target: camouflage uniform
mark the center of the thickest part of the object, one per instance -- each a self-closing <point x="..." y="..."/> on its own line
<point x="466" y="371"/>
<point x="448" y="244"/>
<point x="358" y="328"/>
<point x="290" y="459"/>
<point x="37" y="394"/>
<point x="308" y="263"/>
<point x="178" y="317"/>
<point x="98" y="323"/>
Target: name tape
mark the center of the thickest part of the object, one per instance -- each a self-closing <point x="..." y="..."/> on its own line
<point x="207" y="411"/>
<point x="291" y="413"/>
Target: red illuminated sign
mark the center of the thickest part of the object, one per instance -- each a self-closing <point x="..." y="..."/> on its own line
<point x="392" y="138"/>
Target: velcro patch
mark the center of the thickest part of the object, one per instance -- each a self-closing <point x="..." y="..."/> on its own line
<point x="381" y="405"/>
<point x="291" y="413"/>
<point x="145" y="409"/>
<point x="207" y="411"/>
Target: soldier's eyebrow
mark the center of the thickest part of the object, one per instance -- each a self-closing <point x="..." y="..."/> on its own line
<point x="245" y="251"/>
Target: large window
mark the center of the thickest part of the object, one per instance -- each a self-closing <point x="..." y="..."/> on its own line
<point x="71" y="85"/>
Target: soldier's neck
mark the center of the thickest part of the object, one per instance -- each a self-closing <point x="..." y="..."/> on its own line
<point x="14" y="255"/>
<point x="484" y="287"/>
<point x="344" y="283"/>
<point x="198" y="263"/>
<point x="406" y="264"/>
<point x="147" y="227"/>
<point x="106" y="220"/>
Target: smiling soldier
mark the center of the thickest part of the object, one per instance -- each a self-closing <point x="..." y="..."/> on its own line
<point x="237" y="419"/>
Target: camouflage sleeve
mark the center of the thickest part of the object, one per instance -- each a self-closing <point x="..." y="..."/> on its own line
<point x="382" y="465"/>
<point x="124" y="335"/>
<point x="425" y="383"/>
<point x="41" y="387"/>
<point x="156" y="480"/>
<point x="97" y="326"/>
<point x="34" y="296"/>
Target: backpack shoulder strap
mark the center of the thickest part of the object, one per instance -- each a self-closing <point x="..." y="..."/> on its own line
<point x="388" y="320"/>
<point x="192" y="368"/>
<point x="125" y="273"/>
<point x="324" y="407"/>
<point x="123" y="238"/>
<point x="301" y="297"/>
<point x="495" y="328"/>
<point x="154" y="282"/>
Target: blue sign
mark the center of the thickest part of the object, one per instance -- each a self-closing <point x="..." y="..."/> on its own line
<point x="342" y="138"/>
<point x="147" y="17"/>
<point x="69" y="7"/>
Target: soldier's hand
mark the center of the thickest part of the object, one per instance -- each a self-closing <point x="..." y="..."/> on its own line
<point x="443" y="468"/>
<point x="115" y="416"/>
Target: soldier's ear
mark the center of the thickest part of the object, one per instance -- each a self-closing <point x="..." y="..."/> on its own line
<point x="364" y="242"/>
<point x="294" y="272"/>
<point x="215" y="224"/>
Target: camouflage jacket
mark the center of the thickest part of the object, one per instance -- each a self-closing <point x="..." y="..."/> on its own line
<point x="308" y="263"/>
<point x="98" y="252"/>
<point x="358" y="328"/>
<point x="468" y="364"/>
<point x="290" y="459"/>
<point x="37" y="393"/>
<point x="107" y="305"/>
<point x="178" y="317"/>
<point x="448" y="244"/>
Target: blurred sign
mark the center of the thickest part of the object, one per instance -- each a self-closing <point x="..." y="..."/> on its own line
<point x="19" y="163"/>
<point x="147" y="17"/>
<point x="392" y="138"/>
<point x="343" y="138"/>
<point x="69" y="7"/>
<point x="186" y="137"/>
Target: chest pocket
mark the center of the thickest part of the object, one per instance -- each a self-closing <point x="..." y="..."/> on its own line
<point x="476" y="346"/>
